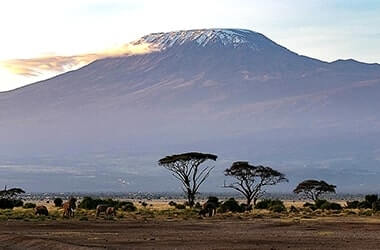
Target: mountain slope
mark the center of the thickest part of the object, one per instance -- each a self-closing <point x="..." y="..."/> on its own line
<point x="195" y="88"/>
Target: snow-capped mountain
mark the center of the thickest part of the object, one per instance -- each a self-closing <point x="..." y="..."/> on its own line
<point x="232" y="92"/>
<point x="207" y="38"/>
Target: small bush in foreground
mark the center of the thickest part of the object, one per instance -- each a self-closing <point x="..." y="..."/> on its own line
<point x="29" y="205"/>
<point x="310" y="205"/>
<point x="180" y="206"/>
<point x="6" y="203"/>
<point x="230" y="205"/>
<point x="18" y="203"/>
<point x="331" y="206"/>
<point x="128" y="206"/>
<point x="273" y="205"/>
<point x="172" y="203"/>
<point x="278" y="208"/>
<point x="376" y="206"/>
<point x="58" y="202"/>
<point x="352" y="204"/>
<point x="371" y="198"/>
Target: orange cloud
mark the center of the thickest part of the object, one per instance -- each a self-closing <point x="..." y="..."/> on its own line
<point x="36" y="66"/>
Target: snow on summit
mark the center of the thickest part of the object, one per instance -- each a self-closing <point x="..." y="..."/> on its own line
<point x="204" y="38"/>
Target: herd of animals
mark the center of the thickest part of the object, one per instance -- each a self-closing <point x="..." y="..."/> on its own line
<point x="209" y="208"/>
<point x="70" y="206"/>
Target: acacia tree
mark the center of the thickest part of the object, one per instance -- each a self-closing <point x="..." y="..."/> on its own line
<point x="313" y="189"/>
<point x="186" y="168"/>
<point x="10" y="193"/>
<point x="251" y="180"/>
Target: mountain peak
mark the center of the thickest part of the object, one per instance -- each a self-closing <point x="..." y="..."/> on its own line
<point x="204" y="38"/>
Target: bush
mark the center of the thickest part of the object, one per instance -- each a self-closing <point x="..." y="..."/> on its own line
<point x="18" y="203"/>
<point x="319" y="203"/>
<point x="365" y="204"/>
<point x="180" y="206"/>
<point x="371" y="198"/>
<point x="310" y="205"/>
<point x="90" y="203"/>
<point x="144" y="204"/>
<point x="263" y="204"/>
<point x="29" y="205"/>
<point x="230" y="205"/>
<point x="331" y="206"/>
<point x="6" y="204"/>
<point x="245" y="207"/>
<point x="172" y="203"/>
<point x="58" y="202"/>
<point x="352" y="204"/>
<point x="269" y="204"/>
<point x="376" y="206"/>
<point x="278" y="208"/>
<point x="128" y="206"/>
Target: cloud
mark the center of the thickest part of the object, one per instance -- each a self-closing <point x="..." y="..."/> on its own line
<point x="37" y="66"/>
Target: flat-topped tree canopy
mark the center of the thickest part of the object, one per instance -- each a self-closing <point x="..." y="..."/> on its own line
<point x="187" y="169"/>
<point x="187" y="157"/>
<point x="313" y="189"/>
<point x="10" y="193"/>
<point x="242" y="169"/>
<point x="251" y="180"/>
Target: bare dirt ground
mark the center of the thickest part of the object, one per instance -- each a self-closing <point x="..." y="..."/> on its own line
<point x="326" y="233"/>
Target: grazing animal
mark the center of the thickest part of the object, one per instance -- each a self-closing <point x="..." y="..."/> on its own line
<point x="69" y="207"/>
<point x="41" y="210"/>
<point x="208" y="208"/>
<point x="110" y="211"/>
<point x="101" y="209"/>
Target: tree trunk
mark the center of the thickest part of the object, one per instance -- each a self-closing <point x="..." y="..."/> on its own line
<point x="190" y="199"/>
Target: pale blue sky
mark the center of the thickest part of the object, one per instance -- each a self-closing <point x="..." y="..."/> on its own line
<point x="324" y="29"/>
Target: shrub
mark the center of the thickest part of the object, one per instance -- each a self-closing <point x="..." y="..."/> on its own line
<point x="371" y="198"/>
<point x="278" y="208"/>
<point x="245" y="207"/>
<point x="319" y="203"/>
<point x="172" y="203"/>
<point x="58" y="202"/>
<point x="310" y="205"/>
<point x="230" y="205"/>
<point x="180" y="206"/>
<point x="365" y="204"/>
<point x="29" y="205"/>
<point x="352" y="204"/>
<point x="263" y="204"/>
<point x="331" y="206"/>
<point x="6" y="204"/>
<point x="128" y="206"/>
<point x="376" y="206"/>
<point x="90" y="203"/>
<point x="18" y="203"/>
<point x="144" y="204"/>
<point x="269" y="204"/>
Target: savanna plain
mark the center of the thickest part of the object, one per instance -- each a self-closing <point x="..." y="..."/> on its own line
<point x="158" y="225"/>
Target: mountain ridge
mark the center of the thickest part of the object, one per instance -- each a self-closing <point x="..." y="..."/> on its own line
<point x="273" y="105"/>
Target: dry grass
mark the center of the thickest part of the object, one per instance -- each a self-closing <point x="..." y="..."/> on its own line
<point x="160" y="210"/>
